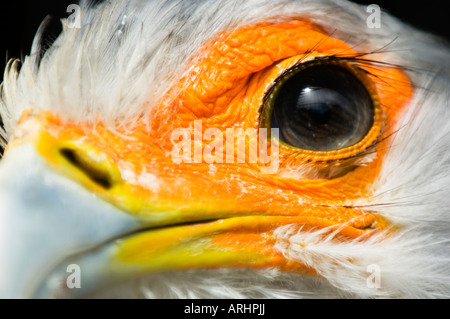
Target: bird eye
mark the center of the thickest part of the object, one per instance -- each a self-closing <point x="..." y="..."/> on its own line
<point x="320" y="106"/>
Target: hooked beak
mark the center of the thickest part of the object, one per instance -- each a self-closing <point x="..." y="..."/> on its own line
<point x="54" y="229"/>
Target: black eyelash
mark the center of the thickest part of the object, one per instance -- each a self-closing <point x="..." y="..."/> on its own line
<point x="299" y="63"/>
<point x="355" y="60"/>
<point x="359" y="61"/>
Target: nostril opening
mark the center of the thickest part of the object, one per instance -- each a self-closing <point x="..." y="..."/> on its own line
<point x="97" y="174"/>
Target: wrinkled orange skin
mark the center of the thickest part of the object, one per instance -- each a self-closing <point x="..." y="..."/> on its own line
<point x="224" y="86"/>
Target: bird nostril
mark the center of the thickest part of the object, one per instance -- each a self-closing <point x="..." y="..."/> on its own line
<point x="91" y="168"/>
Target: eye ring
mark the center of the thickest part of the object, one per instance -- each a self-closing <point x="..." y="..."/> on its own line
<point x="350" y="151"/>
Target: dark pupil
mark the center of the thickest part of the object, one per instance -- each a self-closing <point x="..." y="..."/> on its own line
<point x="322" y="108"/>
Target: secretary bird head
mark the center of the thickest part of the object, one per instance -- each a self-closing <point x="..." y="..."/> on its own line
<point x="229" y="149"/>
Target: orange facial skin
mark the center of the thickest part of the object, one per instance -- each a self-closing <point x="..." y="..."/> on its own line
<point x="224" y="86"/>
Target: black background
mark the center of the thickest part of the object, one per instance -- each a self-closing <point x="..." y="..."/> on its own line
<point x="20" y="19"/>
